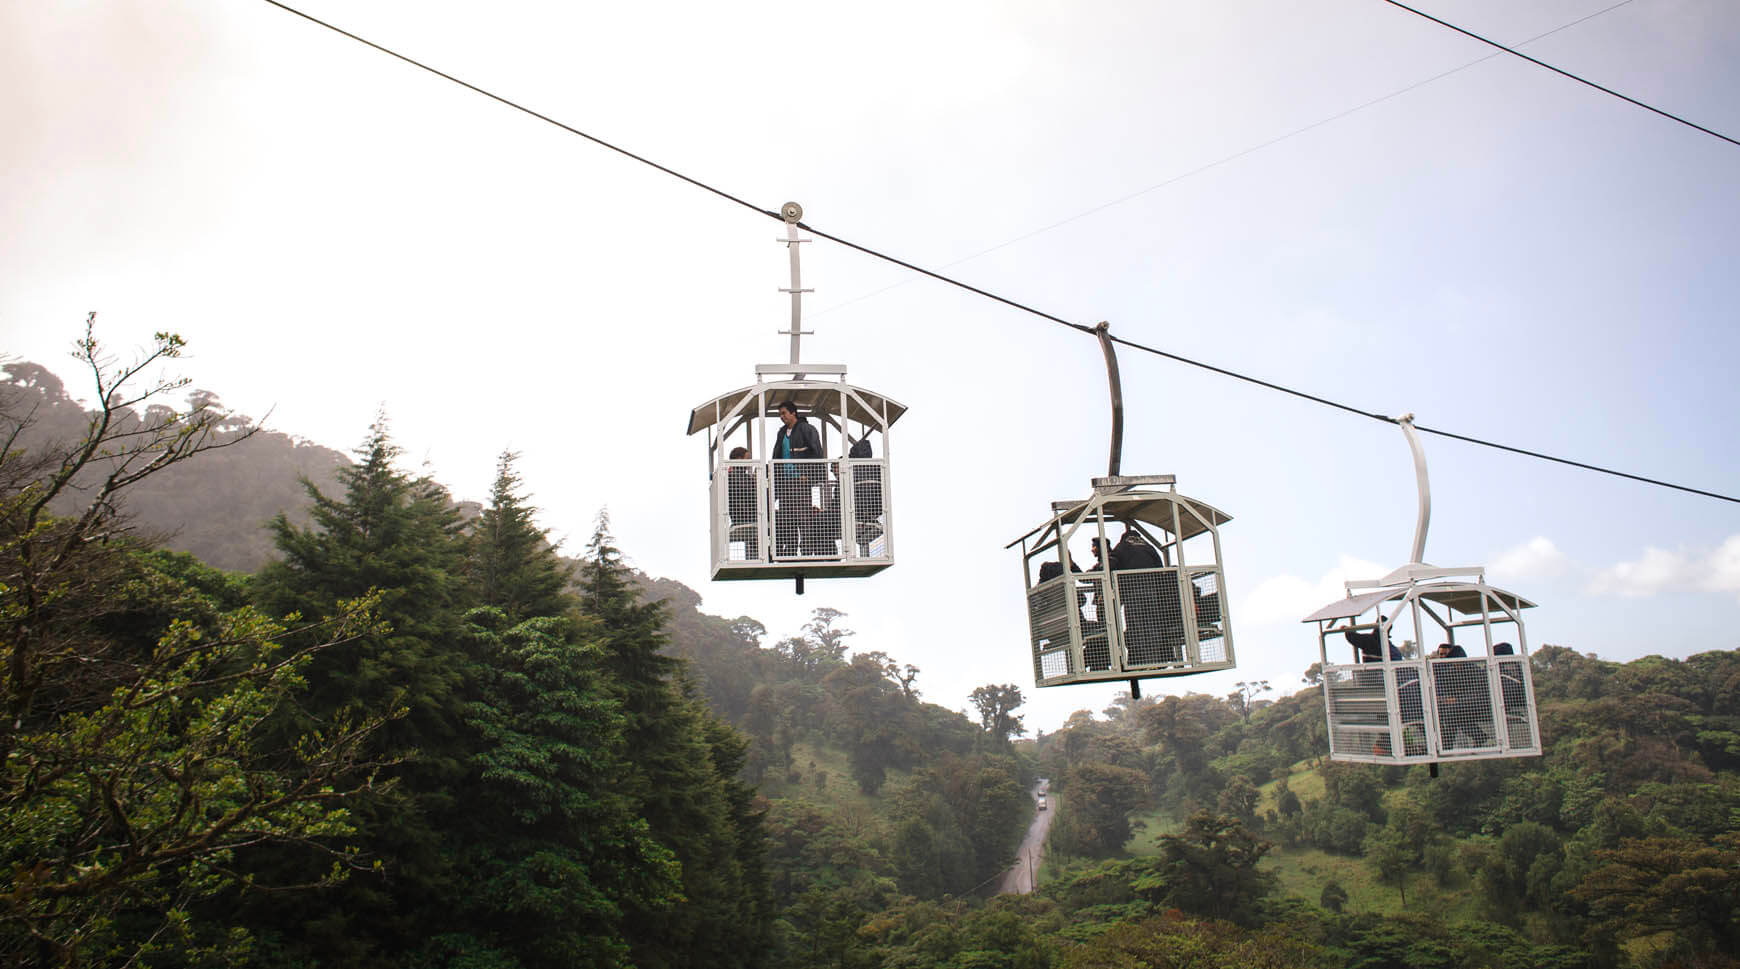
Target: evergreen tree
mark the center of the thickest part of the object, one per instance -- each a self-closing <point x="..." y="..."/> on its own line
<point x="511" y="564"/>
<point x="682" y="776"/>
<point x="398" y="537"/>
<point x="553" y="852"/>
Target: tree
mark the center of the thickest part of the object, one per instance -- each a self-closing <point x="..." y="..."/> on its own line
<point x="554" y="852"/>
<point x="135" y="769"/>
<point x="1650" y="885"/>
<point x="1211" y="868"/>
<point x="512" y="565"/>
<point x="397" y="538"/>
<point x="997" y="706"/>
<point x="1094" y="817"/>
<point x="681" y="770"/>
<point x="1333" y="896"/>
<point x="1241" y="697"/>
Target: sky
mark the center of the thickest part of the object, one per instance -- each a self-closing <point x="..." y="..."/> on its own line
<point x="1496" y="249"/>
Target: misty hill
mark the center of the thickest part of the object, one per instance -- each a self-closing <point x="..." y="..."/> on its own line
<point x="217" y="507"/>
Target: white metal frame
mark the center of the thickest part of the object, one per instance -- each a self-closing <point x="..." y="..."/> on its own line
<point x="1378" y="709"/>
<point x="1100" y="625"/>
<point x="833" y="534"/>
<point x="1477" y="707"/>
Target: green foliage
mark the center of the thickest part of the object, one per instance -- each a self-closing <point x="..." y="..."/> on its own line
<point x="681" y="778"/>
<point x="1211" y="868"/>
<point x="1333" y="896"/>
<point x="510" y="563"/>
<point x="1687" y="888"/>
<point x="136" y="773"/>
<point x="1176" y="943"/>
<point x="554" y="853"/>
<point x="997" y="705"/>
<point x="1094" y="817"/>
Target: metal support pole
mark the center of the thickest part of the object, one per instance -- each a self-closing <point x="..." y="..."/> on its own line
<point x="1115" y="461"/>
<point x="792" y="212"/>
<point x="1406" y="421"/>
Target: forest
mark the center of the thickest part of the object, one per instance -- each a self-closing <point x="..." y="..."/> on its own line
<point x="272" y="705"/>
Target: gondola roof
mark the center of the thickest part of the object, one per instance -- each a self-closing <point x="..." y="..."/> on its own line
<point x="864" y="406"/>
<point x="1461" y="597"/>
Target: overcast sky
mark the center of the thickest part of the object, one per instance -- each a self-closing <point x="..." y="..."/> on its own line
<point x="1501" y="251"/>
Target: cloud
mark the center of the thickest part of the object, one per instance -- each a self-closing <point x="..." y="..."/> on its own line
<point x="1722" y="569"/>
<point x="1289" y="598"/>
<point x="1658" y="570"/>
<point x="1655" y="571"/>
<point x="1537" y="558"/>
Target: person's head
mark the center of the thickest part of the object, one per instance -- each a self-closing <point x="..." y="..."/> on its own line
<point x="739" y="454"/>
<point x="1448" y="651"/>
<point x="788" y="413"/>
<point x="1098" y="548"/>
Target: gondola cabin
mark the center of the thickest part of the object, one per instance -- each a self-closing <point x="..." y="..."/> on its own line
<point x="1427" y="665"/>
<point x="774" y="516"/>
<point x="1126" y="585"/>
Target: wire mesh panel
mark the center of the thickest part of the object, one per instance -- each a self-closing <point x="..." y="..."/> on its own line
<point x="1210" y="618"/>
<point x="1358" y="710"/>
<point x="802" y="529"/>
<point x="739" y="500"/>
<point x="1096" y="609"/>
<point x="1463" y="691"/>
<point x="1518" y="714"/>
<point x="865" y="481"/>
<point x="1153" y="617"/>
<point x="1048" y="608"/>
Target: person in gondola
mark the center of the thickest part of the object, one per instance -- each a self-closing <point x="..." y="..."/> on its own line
<point x="740" y="501"/>
<point x="796" y="444"/>
<point x="1153" y="616"/>
<point x="1510" y="684"/>
<point x="866" y="496"/>
<point x="1464" y="699"/>
<point x="1371" y="647"/>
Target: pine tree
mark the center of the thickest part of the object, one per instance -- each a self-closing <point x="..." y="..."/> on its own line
<point x="554" y="853"/>
<point x="682" y="776"/>
<point x="398" y="536"/>
<point x="510" y="562"/>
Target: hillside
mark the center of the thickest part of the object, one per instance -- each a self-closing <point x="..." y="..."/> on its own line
<point x="796" y="796"/>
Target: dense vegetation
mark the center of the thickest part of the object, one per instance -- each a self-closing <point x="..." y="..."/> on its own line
<point x="415" y="735"/>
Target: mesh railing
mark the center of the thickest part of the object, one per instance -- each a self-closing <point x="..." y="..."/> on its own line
<point x="1513" y="696"/>
<point x="1358" y="711"/>
<point x="1096" y="647"/>
<point x="1210" y="623"/>
<point x="866" y="481"/>
<point x="1048" y="606"/>
<point x="829" y="510"/>
<point x="1153" y="617"/>
<point x="1463" y="692"/>
<point x="738" y="486"/>
<point x="1362" y="723"/>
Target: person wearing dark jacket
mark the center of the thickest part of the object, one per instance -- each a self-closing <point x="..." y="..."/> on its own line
<point x="793" y="447"/>
<point x="740" y="504"/>
<point x="1153" y="613"/>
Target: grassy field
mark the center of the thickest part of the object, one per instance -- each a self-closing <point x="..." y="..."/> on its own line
<point x="825" y="774"/>
<point x="1302" y="872"/>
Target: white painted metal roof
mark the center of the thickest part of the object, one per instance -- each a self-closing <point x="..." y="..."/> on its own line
<point x="1460" y="596"/>
<point x="810" y="395"/>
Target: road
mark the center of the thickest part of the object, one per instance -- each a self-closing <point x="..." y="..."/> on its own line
<point x="1021" y="878"/>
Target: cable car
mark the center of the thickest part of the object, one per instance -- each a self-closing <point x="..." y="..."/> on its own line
<point x="1152" y="604"/>
<point x="778" y="516"/>
<point x="1469" y="696"/>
